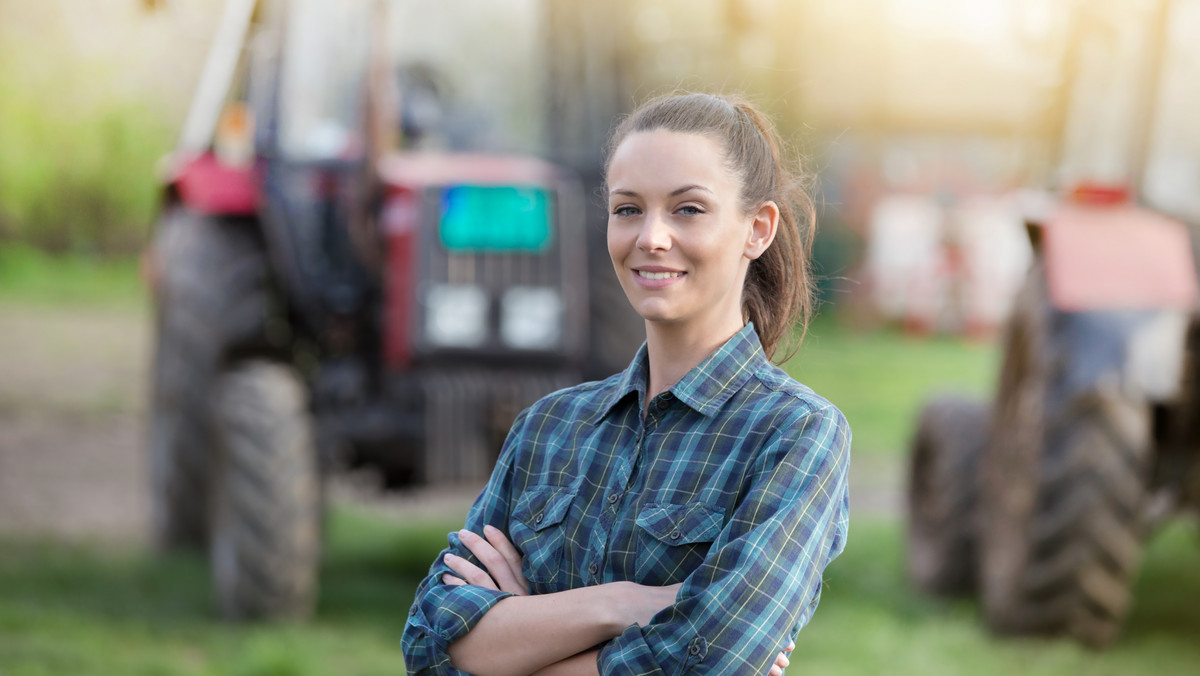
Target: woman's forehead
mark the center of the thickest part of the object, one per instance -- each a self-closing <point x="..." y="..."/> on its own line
<point x="666" y="160"/>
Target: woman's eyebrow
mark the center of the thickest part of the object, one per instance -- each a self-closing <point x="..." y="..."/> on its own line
<point x="674" y="193"/>
<point x="691" y="186"/>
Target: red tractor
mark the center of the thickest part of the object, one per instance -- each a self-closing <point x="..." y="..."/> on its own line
<point x="1042" y="500"/>
<point x="322" y="299"/>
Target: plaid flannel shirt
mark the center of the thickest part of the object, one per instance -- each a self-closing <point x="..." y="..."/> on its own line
<point x="734" y="482"/>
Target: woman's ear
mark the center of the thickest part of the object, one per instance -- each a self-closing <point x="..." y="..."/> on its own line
<point x="762" y="230"/>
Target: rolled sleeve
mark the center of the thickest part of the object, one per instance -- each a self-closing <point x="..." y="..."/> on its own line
<point x="441" y="613"/>
<point x="761" y="579"/>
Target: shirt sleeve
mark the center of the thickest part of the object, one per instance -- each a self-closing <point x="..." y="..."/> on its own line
<point x="761" y="579"/>
<point x="441" y="613"/>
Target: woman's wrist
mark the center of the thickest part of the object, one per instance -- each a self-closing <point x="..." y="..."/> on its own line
<point x="626" y="603"/>
<point x="613" y="606"/>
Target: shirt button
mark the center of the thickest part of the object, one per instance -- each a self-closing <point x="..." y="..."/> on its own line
<point x="694" y="648"/>
<point x="593" y="569"/>
<point x="612" y="499"/>
<point x="662" y="404"/>
<point x="675" y="534"/>
<point x="538" y="519"/>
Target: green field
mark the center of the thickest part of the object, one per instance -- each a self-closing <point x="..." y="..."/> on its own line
<point x="880" y="378"/>
<point x="31" y="277"/>
<point x="97" y="608"/>
<point x="76" y="609"/>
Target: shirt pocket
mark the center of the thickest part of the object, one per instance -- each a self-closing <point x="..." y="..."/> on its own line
<point x="538" y="531"/>
<point x="674" y="540"/>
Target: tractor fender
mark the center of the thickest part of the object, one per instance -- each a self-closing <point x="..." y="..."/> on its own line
<point x="1116" y="257"/>
<point x="208" y="186"/>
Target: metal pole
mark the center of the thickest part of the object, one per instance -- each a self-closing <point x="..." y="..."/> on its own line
<point x="1147" y="102"/>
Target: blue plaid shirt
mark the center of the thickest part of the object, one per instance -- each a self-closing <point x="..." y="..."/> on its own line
<point x="733" y="482"/>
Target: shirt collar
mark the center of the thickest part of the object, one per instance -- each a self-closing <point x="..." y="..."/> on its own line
<point x="707" y="386"/>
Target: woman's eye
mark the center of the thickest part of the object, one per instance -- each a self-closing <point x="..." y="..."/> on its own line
<point x="690" y="210"/>
<point x="625" y="211"/>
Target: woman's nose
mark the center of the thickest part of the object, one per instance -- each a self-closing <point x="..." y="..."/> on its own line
<point x="654" y="234"/>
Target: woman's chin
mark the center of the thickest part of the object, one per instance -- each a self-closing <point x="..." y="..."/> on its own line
<point x="652" y="310"/>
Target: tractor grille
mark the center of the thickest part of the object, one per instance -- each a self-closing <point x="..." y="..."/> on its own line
<point x="494" y="272"/>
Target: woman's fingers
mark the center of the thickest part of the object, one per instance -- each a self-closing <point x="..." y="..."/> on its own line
<point x="500" y="542"/>
<point x="790" y="647"/>
<point x="511" y="556"/>
<point x="447" y="578"/>
<point x="469" y="572"/>
<point x="781" y="661"/>
<point x="496" y="564"/>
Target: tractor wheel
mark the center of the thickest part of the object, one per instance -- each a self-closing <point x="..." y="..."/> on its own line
<point x="212" y="295"/>
<point x="266" y="509"/>
<point x="1064" y="478"/>
<point x="942" y="495"/>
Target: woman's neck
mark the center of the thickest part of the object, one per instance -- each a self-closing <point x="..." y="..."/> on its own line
<point x="674" y="349"/>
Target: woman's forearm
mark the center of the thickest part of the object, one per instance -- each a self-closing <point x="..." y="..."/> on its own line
<point x="583" y="664"/>
<point x="522" y="634"/>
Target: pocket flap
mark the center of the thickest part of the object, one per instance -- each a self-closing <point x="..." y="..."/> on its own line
<point x="681" y="524"/>
<point x="543" y="506"/>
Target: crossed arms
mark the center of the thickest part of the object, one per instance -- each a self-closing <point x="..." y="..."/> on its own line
<point x="567" y="623"/>
<point x="757" y="585"/>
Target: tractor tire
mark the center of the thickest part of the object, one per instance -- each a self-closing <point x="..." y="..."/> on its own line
<point x="211" y="296"/>
<point x="943" y="495"/>
<point x="1064" y="479"/>
<point x="266" y="509"/>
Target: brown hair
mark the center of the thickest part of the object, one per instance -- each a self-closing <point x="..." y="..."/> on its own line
<point x="778" y="288"/>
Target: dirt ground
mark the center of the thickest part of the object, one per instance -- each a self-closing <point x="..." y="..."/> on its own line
<point x="72" y="385"/>
<point x="73" y="460"/>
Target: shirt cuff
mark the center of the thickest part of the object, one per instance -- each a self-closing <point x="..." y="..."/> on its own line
<point x="444" y="615"/>
<point x="630" y="653"/>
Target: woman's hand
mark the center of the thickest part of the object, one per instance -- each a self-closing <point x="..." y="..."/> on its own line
<point x="782" y="662"/>
<point x="497" y="554"/>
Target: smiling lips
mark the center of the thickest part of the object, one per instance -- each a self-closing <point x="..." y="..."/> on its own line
<point x="659" y="278"/>
<point x="657" y="275"/>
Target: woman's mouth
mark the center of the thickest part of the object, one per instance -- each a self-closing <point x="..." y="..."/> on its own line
<point x="646" y="274"/>
<point x="657" y="279"/>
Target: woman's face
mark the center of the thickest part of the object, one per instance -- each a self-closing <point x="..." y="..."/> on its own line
<point x="678" y="238"/>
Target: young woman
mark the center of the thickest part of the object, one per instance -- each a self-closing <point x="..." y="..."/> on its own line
<point x="677" y="516"/>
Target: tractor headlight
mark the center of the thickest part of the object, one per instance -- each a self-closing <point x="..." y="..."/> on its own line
<point x="456" y="315"/>
<point x="531" y="318"/>
<point x="1156" y="356"/>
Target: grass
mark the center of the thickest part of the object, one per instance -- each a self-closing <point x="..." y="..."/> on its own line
<point x="31" y="277"/>
<point x="880" y="379"/>
<point x="872" y="622"/>
<point x="78" y="168"/>
<point x="98" y="609"/>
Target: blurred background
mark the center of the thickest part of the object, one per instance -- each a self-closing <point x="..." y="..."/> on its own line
<point x="934" y="131"/>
